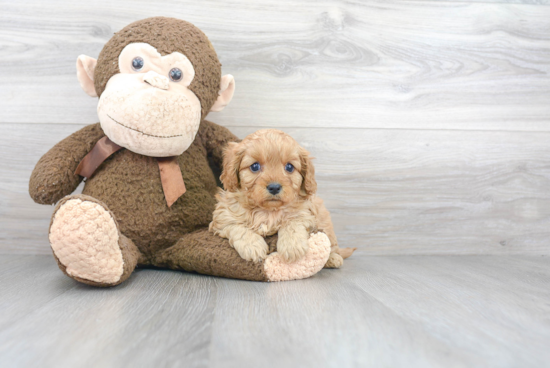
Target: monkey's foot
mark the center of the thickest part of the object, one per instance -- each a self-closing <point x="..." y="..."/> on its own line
<point x="87" y="243"/>
<point x="277" y="269"/>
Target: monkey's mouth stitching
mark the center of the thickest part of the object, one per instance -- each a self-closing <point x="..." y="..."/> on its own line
<point x="150" y="135"/>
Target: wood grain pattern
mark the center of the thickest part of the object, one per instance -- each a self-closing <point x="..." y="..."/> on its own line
<point x="430" y="124"/>
<point x="399" y="311"/>
<point x="430" y="119"/>
<point x="330" y="63"/>
<point x="530" y="2"/>
<point x="389" y="191"/>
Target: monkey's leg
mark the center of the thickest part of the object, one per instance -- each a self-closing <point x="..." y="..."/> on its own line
<point x="87" y="243"/>
<point x="206" y="253"/>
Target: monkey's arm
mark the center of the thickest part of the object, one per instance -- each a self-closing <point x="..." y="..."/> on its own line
<point x="215" y="138"/>
<point x="53" y="176"/>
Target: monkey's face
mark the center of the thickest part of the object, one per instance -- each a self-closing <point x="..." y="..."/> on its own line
<point x="147" y="107"/>
<point x="152" y="99"/>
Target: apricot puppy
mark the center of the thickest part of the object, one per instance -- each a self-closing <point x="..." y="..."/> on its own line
<point x="270" y="188"/>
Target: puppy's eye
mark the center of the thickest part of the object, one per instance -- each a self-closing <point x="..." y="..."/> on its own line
<point x="137" y="63"/>
<point x="255" y="167"/>
<point x="289" y="167"/>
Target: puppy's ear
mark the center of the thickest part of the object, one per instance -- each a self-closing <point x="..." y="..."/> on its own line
<point x="231" y="163"/>
<point x="309" y="185"/>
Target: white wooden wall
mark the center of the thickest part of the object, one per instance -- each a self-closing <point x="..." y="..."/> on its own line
<point x="430" y="120"/>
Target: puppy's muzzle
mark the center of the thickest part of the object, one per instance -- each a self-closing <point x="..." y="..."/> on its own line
<point x="274" y="188"/>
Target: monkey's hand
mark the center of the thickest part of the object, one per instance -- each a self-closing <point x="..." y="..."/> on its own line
<point x="292" y="244"/>
<point x="53" y="176"/>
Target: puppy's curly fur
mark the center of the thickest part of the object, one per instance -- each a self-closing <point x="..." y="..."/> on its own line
<point x="247" y="211"/>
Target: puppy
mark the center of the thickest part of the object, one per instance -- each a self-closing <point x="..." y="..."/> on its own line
<point x="270" y="187"/>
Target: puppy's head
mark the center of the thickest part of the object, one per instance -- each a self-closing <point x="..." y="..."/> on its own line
<point x="270" y="168"/>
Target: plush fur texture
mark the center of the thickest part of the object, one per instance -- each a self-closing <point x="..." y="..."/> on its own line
<point x="129" y="185"/>
<point x="205" y="253"/>
<point x="146" y="112"/>
<point x="246" y="211"/>
<point x="167" y="35"/>
<point x="130" y="253"/>
<point x="199" y="251"/>
<point x="317" y="254"/>
<point x="121" y="220"/>
<point x="96" y="256"/>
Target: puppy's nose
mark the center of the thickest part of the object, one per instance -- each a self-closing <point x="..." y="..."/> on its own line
<point x="274" y="188"/>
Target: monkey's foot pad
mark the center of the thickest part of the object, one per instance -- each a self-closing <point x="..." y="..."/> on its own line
<point x="277" y="269"/>
<point x="84" y="237"/>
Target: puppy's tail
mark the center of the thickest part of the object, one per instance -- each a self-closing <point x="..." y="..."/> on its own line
<point x="345" y="252"/>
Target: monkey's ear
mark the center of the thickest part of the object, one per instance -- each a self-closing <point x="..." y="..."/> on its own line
<point x="227" y="89"/>
<point x="85" y="67"/>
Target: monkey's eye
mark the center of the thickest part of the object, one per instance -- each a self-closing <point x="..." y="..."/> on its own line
<point x="137" y="63"/>
<point x="255" y="167"/>
<point x="289" y="167"/>
<point x="176" y="74"/>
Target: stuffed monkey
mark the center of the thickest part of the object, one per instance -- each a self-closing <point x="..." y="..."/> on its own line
<point x="149" y="191"/>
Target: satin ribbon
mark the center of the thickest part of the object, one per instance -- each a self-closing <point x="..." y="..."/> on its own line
<point x="170" y="172"/>
<point x="171" y="178"/>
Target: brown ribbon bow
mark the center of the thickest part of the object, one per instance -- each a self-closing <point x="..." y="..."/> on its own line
<point x="170" y="173"/>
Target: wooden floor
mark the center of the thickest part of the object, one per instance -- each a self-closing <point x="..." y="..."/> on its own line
<point x="394" y="311"/>
<point x="430" y="124"/>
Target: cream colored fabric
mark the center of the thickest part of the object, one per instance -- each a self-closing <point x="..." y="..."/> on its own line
<point x="156" y="80"/>
<point x="154" y="61"/>
<point x="315" y="258"/>
<point x="144" y="110"/>
<point x="148" y="120"/>
<point x="84" y="237"/>
<point x="225" y="95"/>
<point x="85" y="67"/>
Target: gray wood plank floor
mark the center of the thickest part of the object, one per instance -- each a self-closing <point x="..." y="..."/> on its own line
<point x="395" y="311"/>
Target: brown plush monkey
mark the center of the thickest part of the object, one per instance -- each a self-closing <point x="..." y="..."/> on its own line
<point x="149" y="193"/>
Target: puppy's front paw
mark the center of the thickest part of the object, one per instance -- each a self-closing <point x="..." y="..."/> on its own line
<point x="292" y="248"/>
<point x="251" y="248"/>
